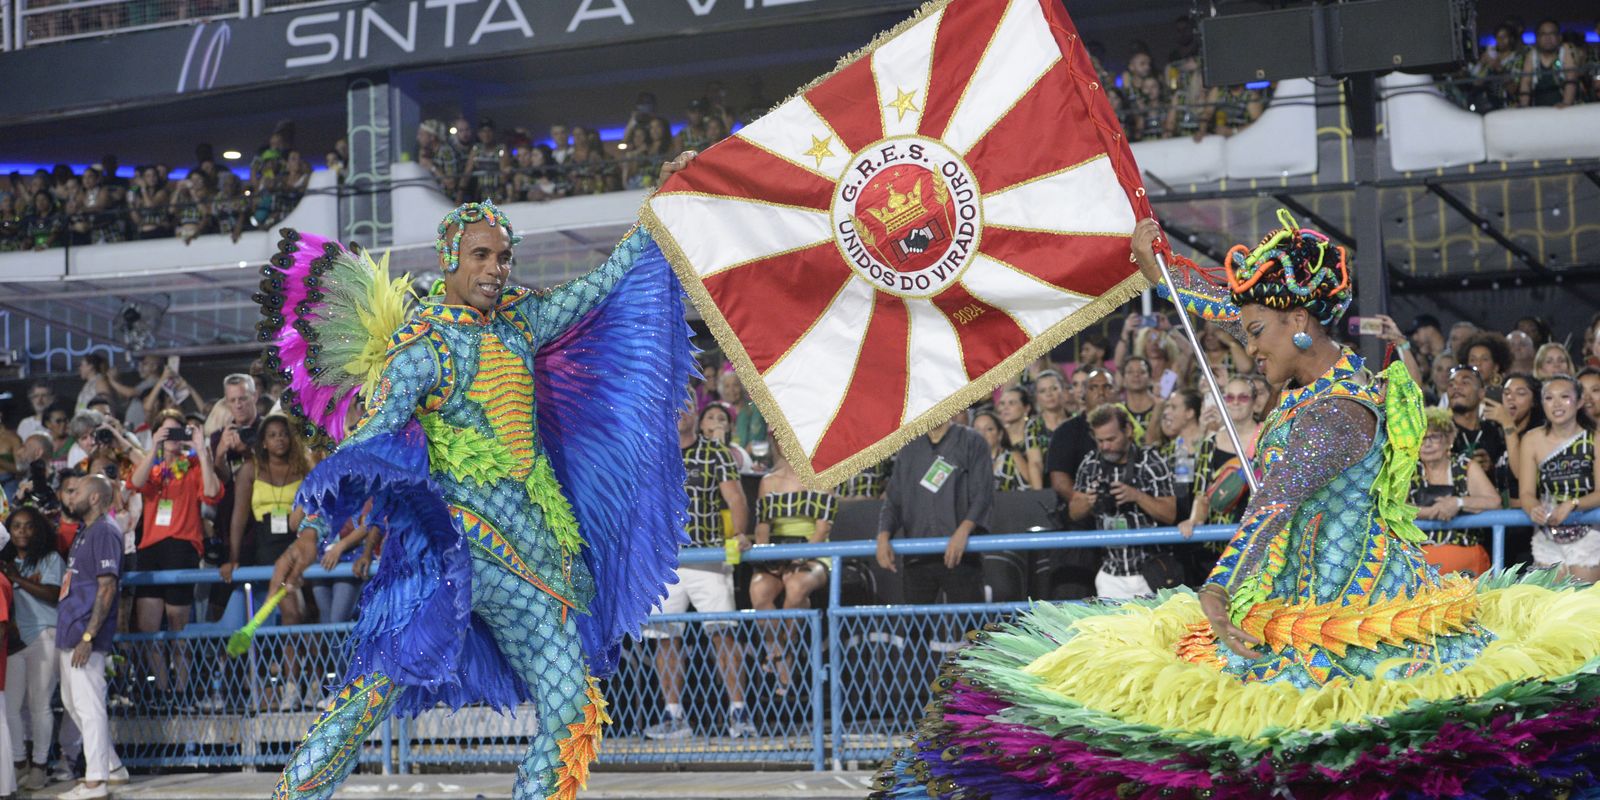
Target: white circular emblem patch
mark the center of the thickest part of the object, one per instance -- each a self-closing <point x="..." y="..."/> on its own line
<point x="907" y="215"/>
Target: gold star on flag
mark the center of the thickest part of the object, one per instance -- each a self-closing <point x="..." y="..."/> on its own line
<point x="904" y="103"/>
<point x="819" y="149"/>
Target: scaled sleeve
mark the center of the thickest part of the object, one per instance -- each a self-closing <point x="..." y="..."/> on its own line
<point x="554" y="310"/>
<point x="411" y="373"/>
<point x="1325" y="441"/>
<point x="1202" y="298"/>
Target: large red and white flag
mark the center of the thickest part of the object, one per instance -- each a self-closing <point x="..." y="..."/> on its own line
<point x="909" y="231"/>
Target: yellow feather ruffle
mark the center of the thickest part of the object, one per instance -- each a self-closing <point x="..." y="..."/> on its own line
<point x="1126" y="664"/>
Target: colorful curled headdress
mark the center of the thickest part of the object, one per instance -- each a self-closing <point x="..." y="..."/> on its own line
<point x="464" y="215"/>
<point x="1293" y="267"/>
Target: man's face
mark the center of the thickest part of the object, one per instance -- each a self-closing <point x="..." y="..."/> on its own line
<point x="1096" y="390"/>
<point x="485" y="267"/>
<point x="1549" y="38"/>
<point x="1111" y="439"/>
<point x="1521" y="345"/>
<point x="74" y="500"/>
<point x="241" y="403"/>
<point x="41" y="398"/>
<point x="1136" y="376"/>
<point x="1466" y="390"/>
<point x="1459" y="334"/>
<point x="559" y="135"/>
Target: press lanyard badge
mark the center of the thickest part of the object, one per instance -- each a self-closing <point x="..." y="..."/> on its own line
<point x="280" y="523"/>
<point x="164" y="513"/>
<point x="939" y="472"/>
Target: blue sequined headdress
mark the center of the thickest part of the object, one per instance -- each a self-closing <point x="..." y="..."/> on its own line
<point x="1293" y="267"/>
<point x="449" y="244"/>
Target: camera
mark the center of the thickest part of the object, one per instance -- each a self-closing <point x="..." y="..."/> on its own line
<point x="248" y="436"/>
<point x="104" y="437"/>
<point x="182" y="434"/>
<point x="1105" y="505"/>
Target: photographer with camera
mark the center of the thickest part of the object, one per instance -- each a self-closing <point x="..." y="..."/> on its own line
<point x="37" y="487"/>
<point x="175" y="478"/>
<point x="231" y="448"/>
<point x="95" y="434"/>
<point x="1123" y="486"/>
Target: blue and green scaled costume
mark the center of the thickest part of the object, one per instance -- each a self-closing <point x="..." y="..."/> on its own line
<point x="523" y="464"/>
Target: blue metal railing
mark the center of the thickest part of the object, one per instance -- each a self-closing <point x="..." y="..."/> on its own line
<point x="864" y="673"/>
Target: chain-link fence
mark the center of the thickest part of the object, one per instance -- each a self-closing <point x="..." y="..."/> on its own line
<point x="840" y="683"/>
<point x="178" y="700"/>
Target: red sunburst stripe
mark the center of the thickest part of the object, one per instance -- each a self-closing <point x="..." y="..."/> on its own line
<point x="1010" y="152"/>
<point x="877" y="395"/>
<point x="1089" y="265"/>
<point x="839" y="101"/>
<point x="795" y="289"/>
<point x="741" y="169"/>
<point x="989" y="338"/>
<point x="1092" y="99"/>
<point x="964" y="34"/>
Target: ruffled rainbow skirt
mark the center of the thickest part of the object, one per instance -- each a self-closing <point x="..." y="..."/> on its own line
<point x="1110" y="701"/>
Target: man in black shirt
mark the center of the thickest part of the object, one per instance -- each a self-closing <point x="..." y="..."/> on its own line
<point x="942" y="485"/>
<point x="1069" y="574"/>
<point x="1477" y="439"/>
<point x="1122" y="486"/>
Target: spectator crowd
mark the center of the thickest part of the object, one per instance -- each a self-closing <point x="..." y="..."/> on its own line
<point x="1561" y="68"/>
<point x="61" y="208"/>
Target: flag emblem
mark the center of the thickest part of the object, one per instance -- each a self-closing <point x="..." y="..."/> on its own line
<point x="890" y="244"/>
<point x="906" y="216"/>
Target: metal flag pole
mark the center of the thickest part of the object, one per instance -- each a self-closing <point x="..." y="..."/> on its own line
<point x="1211" y="380"/>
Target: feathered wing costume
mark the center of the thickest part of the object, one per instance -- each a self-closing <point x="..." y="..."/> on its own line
<point x="523" y="465"/>
<point x="1376" y="678"/>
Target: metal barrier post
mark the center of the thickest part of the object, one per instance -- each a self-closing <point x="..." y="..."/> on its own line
<point x="818" y="761"/>
<point x="388" y="746"/>
<point x="404" y="765"/>
<point x="252" y="680"/>
<point x="835" y="662"/>
<point x="1497" y="545"/>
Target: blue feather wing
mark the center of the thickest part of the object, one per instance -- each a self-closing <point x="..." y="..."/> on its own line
<point x="609" y="391"/>
<point x="416" y="624"/>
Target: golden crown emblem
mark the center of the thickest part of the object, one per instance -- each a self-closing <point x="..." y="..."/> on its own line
<point x="901" y="210"/>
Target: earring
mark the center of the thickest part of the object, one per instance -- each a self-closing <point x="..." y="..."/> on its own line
<point x="1302" y="340"/>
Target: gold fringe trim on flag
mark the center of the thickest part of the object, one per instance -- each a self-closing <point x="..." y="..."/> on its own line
<point x="582" y="747"/>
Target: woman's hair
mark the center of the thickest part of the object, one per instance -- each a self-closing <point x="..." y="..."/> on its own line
<point x="1022" y="394"/>
<point x="1535" y="387"/>
<point x="97" y="362"/>
<point x="715" y="405"/>
<point x="1499" y="351"/>
<point x="1052" y="375"/>
<point x="1584" y="421"/>
<point x="1440" y="420"/>
<point x="299" y="458"/>
<point x="165" y="414"/>
<point x="44" y="535"/>
<point x="1191" y="400"/>
<point x="1005" y="438"/>
<point x="1292" y="267"/>
<point x="1552" y="347"/>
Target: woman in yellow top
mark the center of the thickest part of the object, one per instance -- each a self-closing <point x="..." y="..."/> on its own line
<point x="788" y="513"/>
<point x="264" y="490"/>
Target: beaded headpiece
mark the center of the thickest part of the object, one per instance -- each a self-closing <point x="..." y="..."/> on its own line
<point x="464" y="215"/>
<point x="1293" y="267"/>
